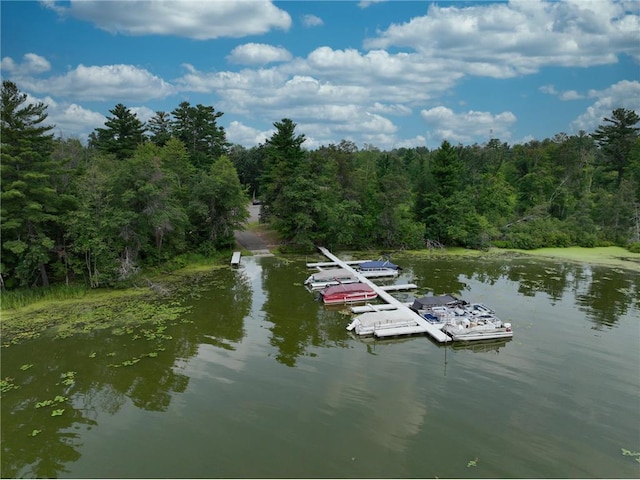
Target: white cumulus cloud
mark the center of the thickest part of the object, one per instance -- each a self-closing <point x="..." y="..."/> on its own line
<point x="566" y="95"/>
<point x="31" y="64"/>
<point x="195" y="19"/>
<point x="504" y="40"/>
<point x="466" y="126"/>
<point x="70" y="119"/>
<point x="258" y="54"/>
<point x="312" y="21"/>
<point x="241" y="134"/>
<point x="109" y="82"/>
<point x="624" y="94"/>
<point x="368" y="3"/>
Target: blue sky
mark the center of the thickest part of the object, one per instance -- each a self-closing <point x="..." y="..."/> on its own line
<point x="382" y="73"/>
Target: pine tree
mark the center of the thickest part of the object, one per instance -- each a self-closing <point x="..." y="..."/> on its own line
<point x="29" y="203"/>
<point x="449" y="215"/>
<point x="122" y="133"/>
<point x="160" y="128"/>
<point x="197" y="128"/>
<point x="283" y="154"/>
<point x="617" y="137"/>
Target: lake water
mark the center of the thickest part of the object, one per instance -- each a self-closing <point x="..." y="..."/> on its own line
<point x="261" y="380"/>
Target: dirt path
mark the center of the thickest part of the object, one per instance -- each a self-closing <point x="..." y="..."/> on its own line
<point x="251" y="240"/>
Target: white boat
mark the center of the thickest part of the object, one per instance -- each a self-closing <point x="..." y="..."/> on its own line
<point x="438" y="309"/>
<point x="385" y="323"/>
<point x="478" y="322"/>
<point x="378" y="268"/>
<point x="329" y="277"/>
<point x="460" y="320"/>
<point x="382" y="272"/>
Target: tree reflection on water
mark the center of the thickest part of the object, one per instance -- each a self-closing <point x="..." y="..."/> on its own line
<point x="137" y="366"/>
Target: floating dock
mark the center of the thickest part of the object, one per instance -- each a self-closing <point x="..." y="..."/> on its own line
<point x="372" y="307"/>
<point x="395" y="288"/>
<point x="400" y="320"/>
<point x="320" y="265"/>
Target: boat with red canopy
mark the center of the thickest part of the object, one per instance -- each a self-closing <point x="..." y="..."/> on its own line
<point x="348" y="293"/>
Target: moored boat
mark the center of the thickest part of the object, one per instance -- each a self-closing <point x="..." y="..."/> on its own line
<point x="378" y="268"/>
<point x="329" y="277"/>
<point x="348" y="293"/>
<point x="477" y="323"/>
<point x="437" y="309"/>
<point x="385" y="323"/>
<point x="460" y="320"/>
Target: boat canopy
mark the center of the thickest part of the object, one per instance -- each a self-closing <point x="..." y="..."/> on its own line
<point x="434" y="301"/>
<point x="374" y="264"/>
<point x="347" y="288"/>
<point x="331" y="274"/>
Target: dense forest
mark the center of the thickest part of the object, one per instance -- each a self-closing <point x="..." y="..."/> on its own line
<point x="139" y="195"/>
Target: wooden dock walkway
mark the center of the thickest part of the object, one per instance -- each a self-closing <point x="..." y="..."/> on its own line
<point x="321" y="265"/>
<point x="395" y="288"/>
<point x="422" y="325"/>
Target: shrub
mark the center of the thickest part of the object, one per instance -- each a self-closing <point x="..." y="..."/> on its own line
<point x="539" y="233"/>
<point x="634" y="247"/>
<point x="588" y="240"/>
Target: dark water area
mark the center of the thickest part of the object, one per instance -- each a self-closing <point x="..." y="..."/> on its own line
<point x="260" y="380"/>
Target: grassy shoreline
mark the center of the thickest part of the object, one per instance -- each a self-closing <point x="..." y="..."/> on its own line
<point x="156" y="296"/>
<point x="608" y="256"/>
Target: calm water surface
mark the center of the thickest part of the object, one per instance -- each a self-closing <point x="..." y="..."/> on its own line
<point x="261" y="380"/>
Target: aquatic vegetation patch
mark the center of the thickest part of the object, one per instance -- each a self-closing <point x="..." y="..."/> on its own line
<point x="6" y="385"/>
<point x="70" y="319"/>
<point x="132" y="361"/>
<point x="55" y="401"/>
<point x="629" y="453"/>
<point x="126" y="363"/>
<point x="447" y="252"/>
<point x="610" y="256"/>
<point x="68" y="378"/>
<point x="103" y="309"/>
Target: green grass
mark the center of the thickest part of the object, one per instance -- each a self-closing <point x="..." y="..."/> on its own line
<point x="12" y="299"/>
<point x="27" y="313"/>
<point x="611" y="256"/>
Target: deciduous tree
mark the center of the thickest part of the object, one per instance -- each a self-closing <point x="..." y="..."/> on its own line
<point x="218" y="205"/>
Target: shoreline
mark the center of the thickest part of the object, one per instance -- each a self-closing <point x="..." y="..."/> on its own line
<point x="77" y="315"/>
<point x="605" y="256"/>
<point x="615" y="257"/>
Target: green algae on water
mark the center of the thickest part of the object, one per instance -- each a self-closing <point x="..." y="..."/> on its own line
<point x="609" y="256"/>
<point x="119" y="310"/>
